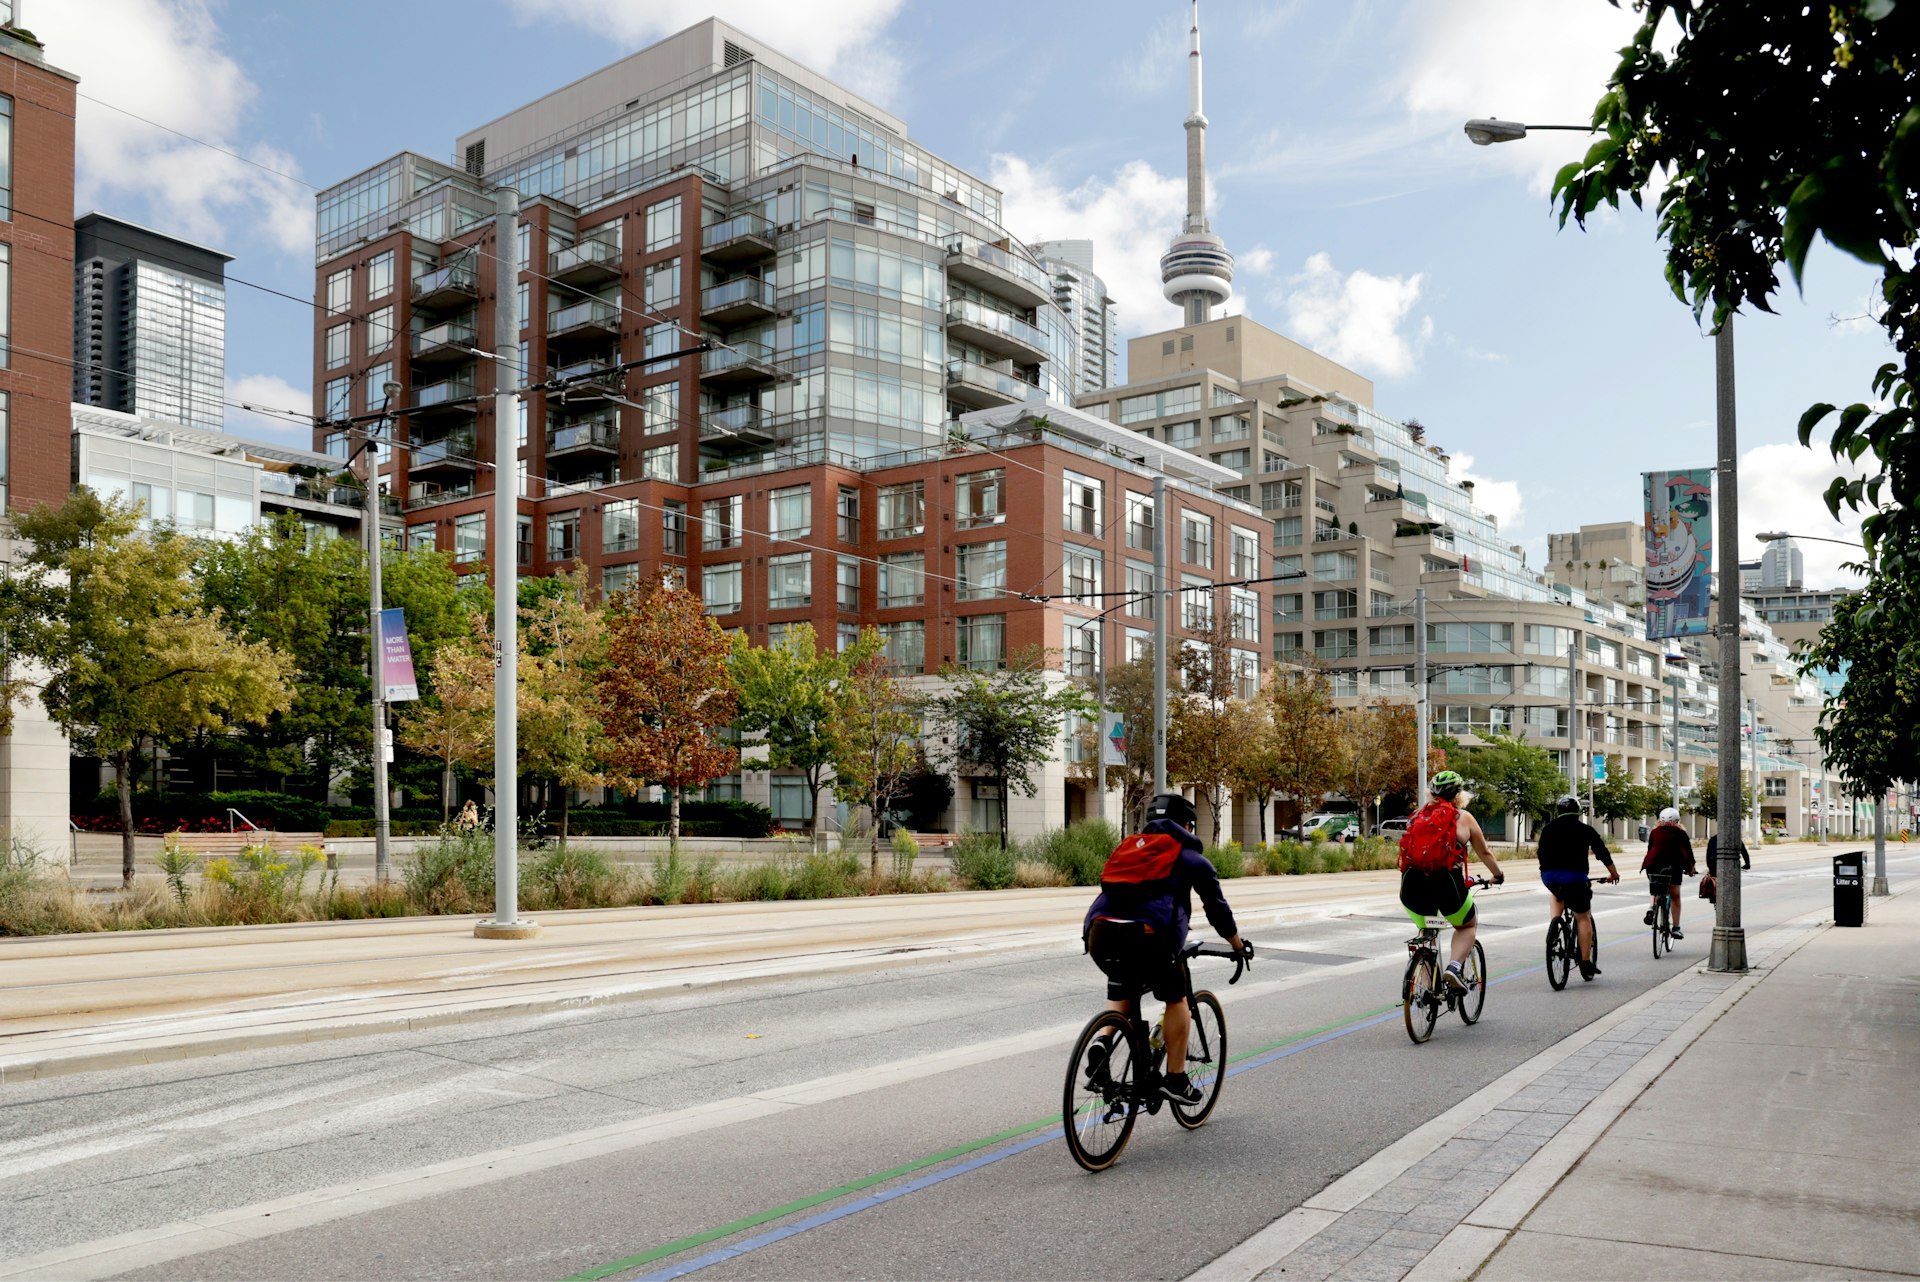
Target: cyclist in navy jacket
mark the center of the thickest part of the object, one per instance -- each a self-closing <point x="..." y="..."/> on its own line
<point x="1137" y="924"/>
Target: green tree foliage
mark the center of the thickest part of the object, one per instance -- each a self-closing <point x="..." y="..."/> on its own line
<point x="1704" y="799"/>
<point x="453" y="722"/>
<point x="1306" y="735"/>
<point x="789" y="696"/>
<point x="1510" y="776"/>
<point x="1765" y="126"/>
<point x="1130" y="695"/>
<point x="874" y="729"/>
<point x="563" y="643"/>
<point x="114" y="615"/>
<point x="1380" y="743"/>
<point x="1005" y="724"/>
<point x="1207" y="725"/>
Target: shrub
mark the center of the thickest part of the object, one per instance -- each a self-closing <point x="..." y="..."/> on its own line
<point x="1078" y="852"/>
<point x="1228" y="860"/>
<point x="697" y="819"/>
<point x="453" y="875"/>
<point x="1032" y="873"/>
<point x="767" y="881"/>
<point x="978" y="859"/>
<point x="826" y="876"/>
<point x="571" y="877"/>
<point x="905" y="851"/>
<point x="259" y="886"/>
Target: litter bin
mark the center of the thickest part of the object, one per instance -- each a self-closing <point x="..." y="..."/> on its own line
<point x="1850" y="888"/>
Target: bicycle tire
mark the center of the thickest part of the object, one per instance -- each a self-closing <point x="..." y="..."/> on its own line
<point x="1097" y="1112"/>
<point x="1475" y="998"/>
<point x="1417" y="1006"/>
<point x="1659" y="925"/>
<point x="1206" y="1058"/>
<point x="1558" y="960"/>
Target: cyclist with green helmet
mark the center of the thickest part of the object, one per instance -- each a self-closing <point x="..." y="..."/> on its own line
<point x="1433" y="867"/>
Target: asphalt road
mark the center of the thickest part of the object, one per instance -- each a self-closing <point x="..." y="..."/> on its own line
<point x="890" y="1124"/>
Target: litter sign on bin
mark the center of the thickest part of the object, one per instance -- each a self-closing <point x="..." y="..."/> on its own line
<point x="1850" y="888"/>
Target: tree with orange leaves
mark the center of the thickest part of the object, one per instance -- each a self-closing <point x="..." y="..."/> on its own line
<point x="666" y="693"/>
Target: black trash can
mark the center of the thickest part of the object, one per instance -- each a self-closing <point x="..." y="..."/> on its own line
<point x="1850" y="888"/>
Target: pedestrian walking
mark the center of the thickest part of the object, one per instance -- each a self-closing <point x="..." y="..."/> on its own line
<point x="1713" y="845"/>
<point x="468" y="819"/>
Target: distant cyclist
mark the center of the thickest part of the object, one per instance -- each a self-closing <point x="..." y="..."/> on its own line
<point x="1670" y="853"/>
<point x="1433" y="867"/>
<point x="1565" y="843"/>
<point x="1138" y="925"/>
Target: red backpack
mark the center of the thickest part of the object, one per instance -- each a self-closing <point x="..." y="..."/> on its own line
<point x="1431" y="842"/>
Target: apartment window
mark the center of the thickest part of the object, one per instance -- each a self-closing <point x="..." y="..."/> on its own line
<point x="1179" y="400"/>
<point x="618" y="578"/>
<point x="1139" y="645"/>
<point x="1246" y="674"/>
<point x="1542" y="639"/>
<point x="847" y="584"/>
<point x="1196" y="539"/>
<point x="6" y="145"/>
<point x="845" y="636"/>
<point x="1382" y="603"/>
<point x="380" y="275"/>
<point x="1339" y="604"/>
<point x="1776" y="787"/>
<point x="983" y="641"/>
<point x="790" y="512"/>
<point x="423" y="538"/>
<point x="1225" y="396"/>
<point x="1232" y="427"/>
<point x="1550" y="723"/>
<point x="662" y="463"/>
<point x="1082" y="646"/>
<point x="847" y="514"/>
<point x="1081" y="574"/>
<point x="1196" y="603"/>
<point x="1478" y="681"/>
<point x="563" y="536"/>
<point x="903" y="510"/>
<point x="1289" y="607"/>
<point x="1288" y="647"/>
<point x="1336" y="565"/>
<point x="720" y="522"/>
<point x="902" y="579"/>
<point x="1271" y="462"/>
<point x="1279" y="494"/>
<point x="1244" y="621"/>
<point x="470" y="536"/>
<point x="1470" y="638"/>
<point x="1336" y="643"/>
<point x="673" y="528"/>
<point x="1140" y="521"/>
<point x="1081" y="504"/>
<point x="660" y="341"/>
<point x="1240" y="461"/>
<point x="663" y="225"/>
<point x="620" y="525"/>
<point x="662" y="284"/>
<point x="1347" y="684"/>
<point x="982" y="570"/>
<point x="720" y="588"/>
<point x="1549" y="681"/>
<point x="980" y="498"/>
<point x="1392" y="681"/>
<point x="339" y="346"/>
<point x="379" y="330"/>
<point x="1396" y="639"/>
<point x="1184" y="436"/>
<point x="1141" y="598"/>
<point x="790" y="581"/>
<point x="340" y="291"/>
<point x="1287" y="567"/>
<point x="1288" y="532"/>
<point x="1246" y="554"/>
<point x="333" y="398"/>
<point x="905" y="644"/>
<point x="660" y="408"/>
<point x="523" y="302"/>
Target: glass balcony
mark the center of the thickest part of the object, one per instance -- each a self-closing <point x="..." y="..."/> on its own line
<point x="589" y="380"/>
<point x="593" y="320"/>
<point x="741" y="362"/>
<point x="455" y="285"/>
<point x="983" y="387"/>
<point x="445" y="397"/>
<point x="588" y="262"/>
<point x="452" y="452"/>
<point x="998" y="272"/>
<point x="743" y="299"/>
<point x="743" y="426"/>
<point x="428" y="493"/>
<point x="597" y="434"/>
<point x="995" y="331"/>
<point x="447" y="341"/>
<point x="737" y="239"/>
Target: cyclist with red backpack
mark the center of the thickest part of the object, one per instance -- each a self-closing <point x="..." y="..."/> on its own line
<point x="1433" y="867"/>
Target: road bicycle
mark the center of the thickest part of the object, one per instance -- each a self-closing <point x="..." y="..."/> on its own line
<point x="1424" y="993"/>
<point x="1658" y="885"/>
<point x="1563" y="945"/>
<point x="1114" y="1074"/>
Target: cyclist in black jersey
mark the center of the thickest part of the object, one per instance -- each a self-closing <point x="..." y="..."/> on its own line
<point x="1564" y="845"/>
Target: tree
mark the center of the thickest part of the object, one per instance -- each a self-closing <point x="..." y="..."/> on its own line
<point x="1380" y="742"/>
<point x="874" y="730"/>
<point x="1206" y="722"/>
<point x="563" y="645"/>
<point x="1130" y="694"/>
<point x="666" y="695"/>
<point x="1306" y="736"/>
<point x="1753" y="154"/>
<point x="789" y="695"/>
<point x="1619" y="797"/>
<point x="1704" y="800"/>
<point x="115" y="616"/>
<point x="1004" y="724"/>
<point x="1256" y="771"/>
<point x="454" y="722"/>
<point x="1511" y="776"/>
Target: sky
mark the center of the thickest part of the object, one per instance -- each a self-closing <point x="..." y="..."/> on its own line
<point x="1555" y="366"/>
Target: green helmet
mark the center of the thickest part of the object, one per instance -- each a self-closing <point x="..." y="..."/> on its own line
<point x="1448" y="782"/>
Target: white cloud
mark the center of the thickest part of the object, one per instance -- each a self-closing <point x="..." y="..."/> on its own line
<point x="838" y="38"/>
<point x="1356" y="318"/>
<point x="1783" y="487"/>
<point x="1160" y="59"/>
<point x="1501" y="499"/>
<point x="1257" y="261"/>
<point x="269" y="392"/>
<point x="1130" y="219"/>
<point x="162" y="60"/>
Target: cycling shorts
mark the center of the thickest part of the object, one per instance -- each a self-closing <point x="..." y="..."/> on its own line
<point x="1437" y="894"/>
<point x="1135" y="961"/>
<point x="1577" y="895"/>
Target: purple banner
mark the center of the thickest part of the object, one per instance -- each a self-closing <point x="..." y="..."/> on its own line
<point x="396" y="658"/>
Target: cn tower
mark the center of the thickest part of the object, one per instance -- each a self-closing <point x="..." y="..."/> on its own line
<point x="1196" y="272"/>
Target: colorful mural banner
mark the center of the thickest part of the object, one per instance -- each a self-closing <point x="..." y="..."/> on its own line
<point x="396" y="658"/>
<point x="1679" y="529"/>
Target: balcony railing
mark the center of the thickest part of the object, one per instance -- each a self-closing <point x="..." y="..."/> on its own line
<point x="997" y="270"/>
<point x="441" y="395"/>
<point x="447" y="340"/>
<point x="456" y="284"/>
<point x="598" y="433"/>
<point x="740" y="425"/>
<point x="452" y="450"/>
<point x="744" y="359"/>
<point x="741" y="236"/>
<point x="994" y="330"/>
<point x="743" y="291"/>
<point x="587" y="258"/>
<point x="984" y="387"/>
<point x="594" y="316"/>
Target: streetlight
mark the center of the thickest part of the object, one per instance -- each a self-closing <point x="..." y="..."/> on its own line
<point x="1774" y="536"/>
<point x="1729" y="949"/>
<point x="382" y="825"/>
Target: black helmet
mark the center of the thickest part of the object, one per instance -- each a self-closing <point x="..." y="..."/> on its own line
<point x="1171" y="805"/>
<point x="1568" y="805"/>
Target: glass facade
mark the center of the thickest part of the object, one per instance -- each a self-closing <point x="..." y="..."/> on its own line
<point x="179" y="347"/>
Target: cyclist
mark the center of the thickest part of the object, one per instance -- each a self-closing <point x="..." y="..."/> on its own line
<point x="1433" y="865"/>
<point x="1564" y="845"/>
<point x="1137" y="926"/>
<point x="1669" y="852"/>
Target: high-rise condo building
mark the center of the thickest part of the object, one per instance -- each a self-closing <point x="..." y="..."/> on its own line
<point x="1089" y="309"/>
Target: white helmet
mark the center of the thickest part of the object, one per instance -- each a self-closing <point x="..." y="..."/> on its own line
<point x="1669" y="816"/>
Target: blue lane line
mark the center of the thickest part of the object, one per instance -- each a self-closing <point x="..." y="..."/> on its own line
<point x="986" y="1159"/>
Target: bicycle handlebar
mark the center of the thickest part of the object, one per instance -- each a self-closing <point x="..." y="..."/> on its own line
<point x="1241" y="960"/>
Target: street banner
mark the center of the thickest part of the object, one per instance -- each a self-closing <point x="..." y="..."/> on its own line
<point x="1113" y="740"/>
<point x="396" y="658"/>
<point x="1679" y="532"/>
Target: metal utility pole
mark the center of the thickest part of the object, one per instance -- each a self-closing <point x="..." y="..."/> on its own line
<point x="1573" y="710"/>
<point x="1423" y="712"/>
<point x="1100" y="719"/>
<point x="506" y="577"/>
<point x="1753" y="722"/>
<point x="1163" y="602"/>
<point x="1879" y="846"/>
<point x="382" y="821"/>
<point x="1676" y="738"/>
<point x="1729" y="950"/>
<point x="1825" y="813"/>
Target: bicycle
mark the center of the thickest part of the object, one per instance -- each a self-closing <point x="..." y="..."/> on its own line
<point x="1563" y="944"/>
<point x="1422" y="992"/>
<point x="1658" y="884"/>
<point x="1106" y="1093"/>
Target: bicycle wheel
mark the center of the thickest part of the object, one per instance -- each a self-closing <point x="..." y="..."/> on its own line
<point x="1206" y="1059"/>
<point x="1475" y="998"/>
<point x="1418" y="1005"/>
<point x="1659" y="925"/>
<point x="1559" y="956"/>
<point x="1098" y="1110"/>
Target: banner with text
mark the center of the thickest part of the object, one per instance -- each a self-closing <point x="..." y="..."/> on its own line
<point x="1679" y="530"/>
<point x="396" y="658"/>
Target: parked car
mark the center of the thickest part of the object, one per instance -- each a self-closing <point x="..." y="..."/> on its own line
<point x="1390" y="828"/>
<point x="1328" y="827"/>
